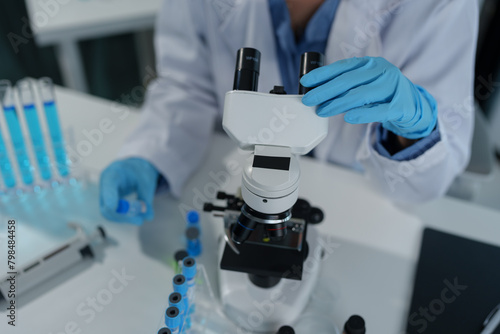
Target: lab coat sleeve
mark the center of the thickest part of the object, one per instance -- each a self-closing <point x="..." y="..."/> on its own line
<point x="178" y="116"/>
<point x="433" y="43"/>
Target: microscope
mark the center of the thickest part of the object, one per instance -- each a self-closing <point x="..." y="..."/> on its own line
<point x="270" y="256"/>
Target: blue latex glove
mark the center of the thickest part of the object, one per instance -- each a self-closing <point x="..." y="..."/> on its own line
<point x="122" y="178"/>
<point x="371" y="90"/>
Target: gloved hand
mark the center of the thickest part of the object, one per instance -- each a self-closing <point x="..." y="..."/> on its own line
<point x="371" y="90"/>
<point x="122" y="178"/>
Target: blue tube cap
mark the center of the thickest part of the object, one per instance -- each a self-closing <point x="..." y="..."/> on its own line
<point x="189" y="267"/>
<point x="172" y="317"/>
<point x="175" y="299"/>
<point x="123" y="206"/>
<point x="193" y="217"/>
<point x="180" y="284"/>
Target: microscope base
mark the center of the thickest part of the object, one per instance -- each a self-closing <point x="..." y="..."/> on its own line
<point x="256" y="309"/>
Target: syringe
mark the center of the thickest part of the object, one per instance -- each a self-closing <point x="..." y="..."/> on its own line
<point x="47" y="95"/>
<point x="27" y="98"/>
<point x="16" y="135"/>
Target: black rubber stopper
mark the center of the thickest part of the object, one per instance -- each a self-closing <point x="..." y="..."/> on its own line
<point x="180" y="255"/>
<point x="192" y="233"/>
<point x="172" y="312"/>
<point x="286" y="330"/>
<point x="164" y="330"/>
<point x="355" y="325"/>
<point x="174" y="298"/>
<point x="188" y="262"/>
<point x="179" y="279"/>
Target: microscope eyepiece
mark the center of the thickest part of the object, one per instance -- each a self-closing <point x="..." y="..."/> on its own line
<point x="308" y="62"/>
<point x="246" y="74"/>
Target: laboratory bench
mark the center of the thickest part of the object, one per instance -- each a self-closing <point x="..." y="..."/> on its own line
<point x="369" y="270"/>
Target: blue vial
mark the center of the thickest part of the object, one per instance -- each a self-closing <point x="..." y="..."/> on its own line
<point x="46" y="88"/>
<point x="131" y="208"/>
<point x="173" y="319"/>
<point x="193" y="241"/>
<point x="9" y="179"/>
<point x="193" y="219"/>
<point x="189" y="270"/>
<point x="180" y="284"/>
<point x="16" y="134"/>
<point x="26" y="95"/>
<point x="176" y="299"/>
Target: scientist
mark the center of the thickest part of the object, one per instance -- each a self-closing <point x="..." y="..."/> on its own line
<point x="397" y="88"/>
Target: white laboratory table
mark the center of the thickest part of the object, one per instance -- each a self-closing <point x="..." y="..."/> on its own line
<point x="374" y="243"/>
<point x="66" y="22"/>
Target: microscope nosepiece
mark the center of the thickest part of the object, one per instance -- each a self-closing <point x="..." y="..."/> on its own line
<point x="242" y="229"/>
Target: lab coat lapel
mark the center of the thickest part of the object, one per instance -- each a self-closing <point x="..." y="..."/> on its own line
<point x="346" y="40"/>
<point x="248" y="24"/>
<point x="350" y="34"/>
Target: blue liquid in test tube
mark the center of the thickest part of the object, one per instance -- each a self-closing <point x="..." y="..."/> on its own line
<point x="16" y="135"/>
<point x="9" y="179"/>
<point x="47" y="93"/>
<point x="28" y="101"/>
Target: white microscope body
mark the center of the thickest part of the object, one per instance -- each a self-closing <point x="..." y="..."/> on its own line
<point x="268" y="270"/>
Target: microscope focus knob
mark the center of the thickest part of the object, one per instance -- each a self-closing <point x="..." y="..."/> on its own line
<point x="315" y="216"/>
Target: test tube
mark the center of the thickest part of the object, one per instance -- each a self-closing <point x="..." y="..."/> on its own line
<point x="176" y="299"/>
<point x="16" y="135"/>
<point x="193" y="233"/>
<point x="9" y="179"/>
<point x="46" y="88"/>
<point x="131" y="208"/>
<point x="189" y="272"/>
<point x="27" y="98"/>
<point x="180" y="286"/>
<point x="193" y="219"/>
<point x="173" y="319"/>
<point x="179" y="256"/>
<point x="193" y="241"/>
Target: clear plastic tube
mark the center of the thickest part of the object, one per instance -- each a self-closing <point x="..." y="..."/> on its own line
<point x="9" y="179"/>
<point x="131" y="208"/>
<point x="46" y="88"/>
<point x="16" y="135"/>
<point x="26" y="95"/>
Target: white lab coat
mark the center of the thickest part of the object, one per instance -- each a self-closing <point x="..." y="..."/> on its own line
<point x="431" y="41"/>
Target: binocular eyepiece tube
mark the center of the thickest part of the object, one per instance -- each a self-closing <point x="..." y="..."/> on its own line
<point x="308" y="62"/>
<point x="246" y="75"/>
